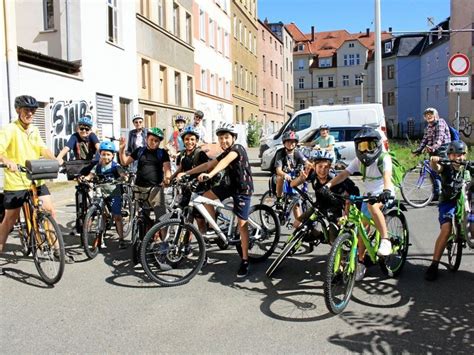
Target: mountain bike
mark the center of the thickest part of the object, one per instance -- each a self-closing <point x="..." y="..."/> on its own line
<point x="141" y="221"/>
<point x="173" y="251"/>
<point x="420" y="185"/>
<point x="39" y="233"/>
<point x="342" y="261"/>
<point x="314" y="226"/>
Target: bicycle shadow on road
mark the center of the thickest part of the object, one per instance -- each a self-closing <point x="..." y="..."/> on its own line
<point x="18" y="274"/>
<point x="440" y="318"/>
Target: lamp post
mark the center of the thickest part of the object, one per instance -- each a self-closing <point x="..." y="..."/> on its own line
<point x="361" y="87"/>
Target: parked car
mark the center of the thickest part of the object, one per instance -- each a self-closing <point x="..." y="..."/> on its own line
<point x="343" y="135"/>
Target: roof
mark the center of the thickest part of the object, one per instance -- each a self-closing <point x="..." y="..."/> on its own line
<point x="46" y="61"/>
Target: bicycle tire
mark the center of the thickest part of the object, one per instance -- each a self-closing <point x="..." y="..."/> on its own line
<point x="138" y="233"/>
<point x="468" y="218"/>
<point x="93" y="231"/>
<point x="48" y="249"/>
<point x="269" y="199"/>
<point x="81" y="209"/>
<point x="417" y="190"/>
<point x="161" y="259"/>
<point x="284" y="253"/>
<point x="398" y="233"/>
<point x="338" y="274"/>
<point x="127" y="214"/>
<point x="26" y="248"/>
<point x="263" y="240"/>
<point x="454" y="249"/>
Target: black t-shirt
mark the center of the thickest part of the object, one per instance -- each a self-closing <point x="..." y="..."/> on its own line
<point x="189" y="161"/>
<point x="452" y="181"/>
<point x="84" y="149"/>
<point x="289" y="162"/>
<point x="150" y="166"/>
<point x="239" y="171"/>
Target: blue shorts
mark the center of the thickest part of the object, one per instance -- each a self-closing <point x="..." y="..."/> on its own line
<point x="446" y="211"/>
<point x="365" y="210"/>
<point x="241" y="202"/>
<point x="116" y="205"/>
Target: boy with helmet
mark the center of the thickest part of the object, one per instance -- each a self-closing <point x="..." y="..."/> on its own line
<point x="325" y="141"/>
<point x="197" y="125"/>
<point x="287" y="163"/>
<point x="136" y="136"/>
<point x="108" y="169"/>
<point x="83" y="143"/>
<point x="368" y="147"/>
<point x="436" y="136"/>
<point x="21" y="141"/>
<point x="235" y="161"/>
<point x="153" y="168"/>
<point x="453" y="177"/>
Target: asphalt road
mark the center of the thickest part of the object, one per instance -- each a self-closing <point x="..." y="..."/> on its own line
<point x="106" y="305"/>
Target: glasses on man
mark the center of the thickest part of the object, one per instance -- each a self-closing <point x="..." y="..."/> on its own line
<point x="84" y="128"/>
<point x="137" y="122"/>
<point x="366" y="146"/>
<point x="197" y="117"/>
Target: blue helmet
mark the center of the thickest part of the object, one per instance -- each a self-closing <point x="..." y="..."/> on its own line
<point x="106" y="145"/>
<point x="319" y="155"/>
<point x="85" y="120"/>
<point x="190" y="130"/>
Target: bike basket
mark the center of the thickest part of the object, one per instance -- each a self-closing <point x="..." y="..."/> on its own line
<point x="42" y="169"/>
<point x="75" y="168"/>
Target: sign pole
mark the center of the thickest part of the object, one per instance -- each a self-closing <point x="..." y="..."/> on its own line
<point x="458" y="111"/>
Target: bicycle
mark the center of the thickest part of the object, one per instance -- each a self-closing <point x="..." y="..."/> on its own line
<point x="420" y="185"/>
<point x="342" y="260"/>
<point x="141" y="221"/>
<point x="39" y="233"/>
<point x="98" y="219"/>
<point x="173" y="251"/>
<point x="315" y="225"/>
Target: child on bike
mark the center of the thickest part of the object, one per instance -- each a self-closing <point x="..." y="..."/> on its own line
<point x="436" y="137"/>
<point x="288" y="164"/>
<point x="453" y="177"/>
<point x="368" y="147"/>
<point x="235" y="161"/>
<point x="107" y="168"/>
<point x="325" y="141"/>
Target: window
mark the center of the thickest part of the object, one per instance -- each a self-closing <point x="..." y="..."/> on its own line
<point x="227" y="90"/>
<point x="145" y="74"/>
<point x="301" y="83"/>
<point x="300" y="64"/>
<point x="300" y="48"/>
<point x="345" y="80"/>
<point x="144" y="7"/>
<point x="263" y="35"/>
<point x="346" y="100"/>
<point x="212" y="33"/>
<point x="390" y="71"/>
<point x="220" y="88"/>
<point x="390" y="98"/>
<point x="112" y="25"/>
<point x="189" y="29"/>
<point x="48" y="14"/>
<point x="163" y="85"/>
<point x="176" y="19"/>
<point x="302" y="121"/>
<point x="351" y="45"/>
<point x="357" y="59"/>
<point x="255" y="85"/>
<point x="161" y="13"/>
<point x="250" y="42"/>
<point x="264" y="97"/>
<point x="286" y="64"/>
<point x="236" y="74"/>
<point x="189" y="91"/>
<point x="330" y="81"/>
<point x="271" y="98"/>
<point x="202" y="25"/>
<point x="287" y="91"/>
<point x="242" y="84"/>
<point x="281" y="101"/>
<point x="345" y="60"/>
<point x="219" y="39"/>
<point x="177" y="88"/>
<point x="235" y="26"/>
<point x="240" y="31"/>
<point x="324" y="62"/>
<point x="281" y="73"/>
<point x="125" y="105"/>
<point x="358" y="79"/>
<point x="203" y="80"/>
<point x="383" y="72"/>
<point x="263" y="63"/>
<point x="226" y="44"/>
<point x="271" y="67"/>
<point x="388" y="47"/>
<point x="276" y="70"/>
<point x="244" y="37"/>
<point x="320" y="82"/>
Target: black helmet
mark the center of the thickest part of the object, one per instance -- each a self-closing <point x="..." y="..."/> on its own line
<point x="290" y="135"/>
<point x="457" y="147"/>
<point x="368" y="145"/>
<point x="26" y="101"/>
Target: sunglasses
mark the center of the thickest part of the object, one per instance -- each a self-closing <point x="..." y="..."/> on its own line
<point x="366" y="146"/>
<point x="197" y="118"/>
<point x="87" y="129"/>
<point x="137" y="122"/>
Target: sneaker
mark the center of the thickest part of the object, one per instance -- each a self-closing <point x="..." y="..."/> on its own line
<point x="385" y="248"/>
<point x="102" y="244"/>
<point x="360" y="272"/>
<point x="188" y="251"/>
<point x="243" y="269"/>
<point x="432" y="272"/>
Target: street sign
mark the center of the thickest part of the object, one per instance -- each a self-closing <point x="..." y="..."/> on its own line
<point x="459" y="64"/>
<point x="459" y="84"/>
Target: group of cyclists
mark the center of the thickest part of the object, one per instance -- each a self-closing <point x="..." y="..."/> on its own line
<point x="21" y="141"/>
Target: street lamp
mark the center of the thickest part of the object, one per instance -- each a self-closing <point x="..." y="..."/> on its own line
<point x="361" y="87"/>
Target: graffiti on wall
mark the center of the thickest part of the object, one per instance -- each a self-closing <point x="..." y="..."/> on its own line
<point x="465" y="127"/>
<point x="64" y="118"/>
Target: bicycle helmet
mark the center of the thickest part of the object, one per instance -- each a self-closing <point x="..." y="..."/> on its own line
<point x="320" y="155"/>
<point x="432" y="111"/>
<point x="225" y="127"/>
<point x="190" y="130"/>
<point x="26" y="101"/>
<point x="368" y="145"/>
<point x="457" y="147"/>
<point x="199" y="113"/>
<point x="179" y="118"/>
<point x="324" y="126"/>
<point x="156" y="132"/>
<point x="86" y="121"/>
<point x="290" y="135"/>
<point x="137" y="116"/>
<point x="106" y="145"/>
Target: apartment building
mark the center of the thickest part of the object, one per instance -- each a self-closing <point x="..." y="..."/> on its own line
<point x="271" y="84"/>
<point x="244" y="60"/>
<point x="212" y="63"/>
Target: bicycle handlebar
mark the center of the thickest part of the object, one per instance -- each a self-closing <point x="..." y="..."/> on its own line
<point x="113" y="139"/>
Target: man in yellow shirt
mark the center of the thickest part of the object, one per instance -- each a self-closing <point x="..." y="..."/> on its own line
<point x="21" y="141"/>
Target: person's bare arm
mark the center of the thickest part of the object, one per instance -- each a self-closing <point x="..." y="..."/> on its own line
<point x="343" y="175"/>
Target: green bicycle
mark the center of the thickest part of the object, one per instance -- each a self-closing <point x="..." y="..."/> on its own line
<point x="342" y="260"/>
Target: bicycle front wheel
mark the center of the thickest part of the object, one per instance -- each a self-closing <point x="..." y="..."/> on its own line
<point x="93" y="231"/>
<point x="269" y="199"/>
<point x="340" y="274"/>
<point x="417" y="187"/>
<point x="172" y="253"/>
<point x="48" y="252"/>
<point x="127" y="214"/>
<point x="469" y="218"/>
<point x="392" y="265"/>
<point x="289" y="247"/>
<point x="454" y="249"/>
<point x="264" y="233"/>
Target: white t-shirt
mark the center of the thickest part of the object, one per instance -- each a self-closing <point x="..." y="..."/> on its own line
<point x="373" y="178"/>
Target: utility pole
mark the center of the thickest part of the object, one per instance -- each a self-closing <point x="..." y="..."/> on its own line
<point x="362" y="87"/>
<point x="378" y="55"/>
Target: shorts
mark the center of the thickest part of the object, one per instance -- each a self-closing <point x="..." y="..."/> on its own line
<point x="241" y="202"/>
<point x="156" y="199"/>
<point x="15" y="199"/>
<point x="116" y="205"/>
<point x="365" y="210"/>
<point x="446" y="211"/>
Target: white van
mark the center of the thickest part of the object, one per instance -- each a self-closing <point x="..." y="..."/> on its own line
<point x="304" y="121"/>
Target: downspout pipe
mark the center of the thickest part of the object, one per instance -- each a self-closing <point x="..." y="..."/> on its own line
<point x="11" y="54"/>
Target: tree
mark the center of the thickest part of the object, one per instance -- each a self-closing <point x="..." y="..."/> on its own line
<point x="254" y="127"/>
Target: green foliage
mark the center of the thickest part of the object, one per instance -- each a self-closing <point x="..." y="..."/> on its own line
<point x="254" y="127"/>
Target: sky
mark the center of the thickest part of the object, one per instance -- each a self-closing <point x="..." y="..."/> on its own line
<point x="354" y="15"/>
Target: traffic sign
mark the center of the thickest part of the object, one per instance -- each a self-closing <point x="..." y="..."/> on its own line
<point x="459" y="84"/>
<point x="459" y="64"/>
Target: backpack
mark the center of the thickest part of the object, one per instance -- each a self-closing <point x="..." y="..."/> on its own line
<point x="159" y="153"/>
<point x="272" y="163"/>
<point x="455" y="136"/>
<point x="398" y="171"/>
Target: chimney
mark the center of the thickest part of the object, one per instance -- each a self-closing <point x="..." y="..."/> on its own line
<point x="312" y="33"/>
<point x="367" y="32"/>
<point x="390" y="29"/>
<point x="265" y="21"/>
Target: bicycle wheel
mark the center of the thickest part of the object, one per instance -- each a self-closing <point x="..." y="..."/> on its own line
<point x="269" y="199"/>
<point x="287" y="249"/>
<point x="137" y="235"/>
<point x="93" y="231"/>
<point x="340" y="274"/>
<point x="392" y="265"/>
<point x="417" y="187"/>
<point x="262" y="239"/>
<point x="127" y="214"/>
<point x="48" y="252"/>
<point x="454" y="249"/>
<point x="469" y="218"/>
<point x="172" y="253"/>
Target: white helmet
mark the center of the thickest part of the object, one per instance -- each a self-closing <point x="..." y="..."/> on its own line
<point x="137" y="116"/>
<point x="226" y="127"/>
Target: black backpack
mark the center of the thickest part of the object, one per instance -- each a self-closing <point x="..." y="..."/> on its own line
<point x="272" y="164"/>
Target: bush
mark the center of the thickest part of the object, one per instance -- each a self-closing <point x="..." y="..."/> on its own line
<point x="254" y="127"/>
